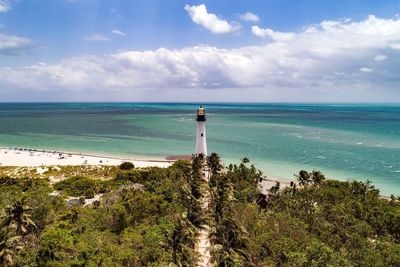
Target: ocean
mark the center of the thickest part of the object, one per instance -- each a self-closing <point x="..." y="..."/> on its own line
<point x="344" y="141"/>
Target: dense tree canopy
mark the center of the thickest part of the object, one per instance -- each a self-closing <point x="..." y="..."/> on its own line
<point x="152" y="216"/>
<point x="321" y="223"/>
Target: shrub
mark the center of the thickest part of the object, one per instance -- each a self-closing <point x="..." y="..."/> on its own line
<point x="79" y="186"/>
<point x="8" y="181"/>
<point x="126" y="166"/>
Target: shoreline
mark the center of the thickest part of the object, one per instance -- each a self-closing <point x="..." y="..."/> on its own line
<point x="88" y="154"/>
<point x="29" y="157"/>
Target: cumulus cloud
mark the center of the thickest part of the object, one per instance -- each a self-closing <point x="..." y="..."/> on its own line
<point x="276" y="36"/>
<point x="211" y="22"/>
<point x="342" y="34"/>
<point x="14" y="45"/>
<point x="321" y="62"/>
<point x="4" y="6"/>
<point x="118" y="32"/>
<point x="248" y="16"/>
<point x="97" y="37"/>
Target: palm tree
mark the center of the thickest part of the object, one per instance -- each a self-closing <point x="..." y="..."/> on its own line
<point x="303" y="177"/>
<point x="195" y="213"/>
<point x="197" y="162"/>
<point x="245" y="160"/>
<point x="181" y="241"/>
<point x="7" y="245"/>
<point x="230" y="243"/>
<point x="196" y="179"/>
<point x="18" y="216"/>
<point x="317" y="177"/>
<point x="227" y="235"/>
<point x="214" y="163"/>
<point x="222" y="194"/>
<point x="226" y="258"/>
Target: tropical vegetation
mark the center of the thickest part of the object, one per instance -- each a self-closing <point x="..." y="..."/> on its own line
<point x="127" y="216"/>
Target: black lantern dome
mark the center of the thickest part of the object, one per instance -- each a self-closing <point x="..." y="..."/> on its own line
<point x="201" y="114"/>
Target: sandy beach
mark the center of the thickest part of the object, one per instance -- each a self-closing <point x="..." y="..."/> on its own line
<point x="27" y="157"/>
<point x="34" y="158"/>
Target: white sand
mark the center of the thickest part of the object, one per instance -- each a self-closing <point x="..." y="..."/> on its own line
<point x="266" y="184"/>
<point x="26" y="158"/>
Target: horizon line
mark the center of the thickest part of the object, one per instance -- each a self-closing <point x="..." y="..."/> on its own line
<point x="201" y="102"/>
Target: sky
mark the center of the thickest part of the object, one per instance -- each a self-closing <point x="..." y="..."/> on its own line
<point x="200" y="51"/>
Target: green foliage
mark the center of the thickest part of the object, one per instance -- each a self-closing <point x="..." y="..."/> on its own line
<point x="142" y="221"/>
<point x="305" y="178"/>
<point x="321" y="223"/>
<point x="330" y="223"/>
<point x="151" y="217"/>
<point x="228" y="235"/>
<point x="8" y="244"/>
<point x="18" y="218"/>
<point x="214" y="163"/>
<point x="56" y="245"/>
<point x="126" y="166"/>
<point x="180" y="239"/>
<point x="81" y="186"/>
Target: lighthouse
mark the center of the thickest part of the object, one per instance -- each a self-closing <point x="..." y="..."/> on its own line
<point x="201" y="144"/>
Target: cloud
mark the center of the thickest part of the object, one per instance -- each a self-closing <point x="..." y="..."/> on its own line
<point x="14" y="45"/>
<point x="276" y="36"/>
<point x="366" y="70"/>
<point x="211" y="22"/>
<point x="380" y="57"/>
<point x="96" y="38"/>
<point x="118" y="32"/>
<point x="4" y="6"/>
<point x="248" y="16"/>
<point x="320" y="63"/>
<point x="341" y="35"/>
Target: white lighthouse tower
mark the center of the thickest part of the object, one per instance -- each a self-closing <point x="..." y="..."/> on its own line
<point x="201" y="144"/>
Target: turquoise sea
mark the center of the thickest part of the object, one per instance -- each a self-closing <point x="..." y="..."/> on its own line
<point x="345" y="141"/>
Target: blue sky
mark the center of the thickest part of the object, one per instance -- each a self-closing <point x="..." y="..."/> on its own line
<point x="225" y="50"/>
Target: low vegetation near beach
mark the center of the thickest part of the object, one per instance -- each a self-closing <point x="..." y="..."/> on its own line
<point x="127" y="216"/>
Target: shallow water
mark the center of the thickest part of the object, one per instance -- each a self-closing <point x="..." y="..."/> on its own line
<point x="344" y="141"/>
